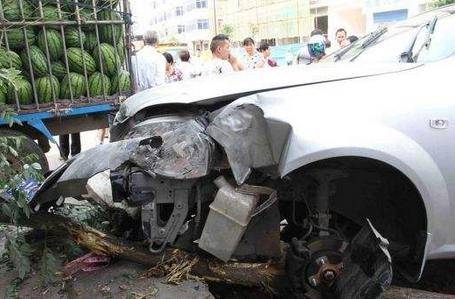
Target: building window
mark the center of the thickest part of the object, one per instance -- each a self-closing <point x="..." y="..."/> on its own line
<point x="390" y="16"/>
<point x="180" y="29"/>
<point x="179" y="11"/>
<point x="201" y="3"/>
<point x="322" y="23"/>
<point x="203" y="24"/>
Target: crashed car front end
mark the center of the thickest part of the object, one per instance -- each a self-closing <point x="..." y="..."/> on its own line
<point x="205" y="181"/>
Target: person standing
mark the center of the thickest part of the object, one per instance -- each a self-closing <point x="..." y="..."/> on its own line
<point x="264" y="49"/>
<point x="64" y="144"/>
<point x="149" y="66"/>
<point x="313" y="51"/>
<point x="289" y="57"/>
<point x="186" y="66"/>
<point x="341" y="36"/>
<point x="251" y="58"/>
<point x="172" y="73"/>
<point x="223" y="62"/>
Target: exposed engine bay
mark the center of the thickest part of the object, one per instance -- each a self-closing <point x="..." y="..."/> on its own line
<point x="209" y="182"/>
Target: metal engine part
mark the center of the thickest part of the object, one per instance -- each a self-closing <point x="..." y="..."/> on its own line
<point x="164" y="218"/>
<point x="228" y="218"/>
<point x="164" y="203"/>
<point x="228" y="230"/>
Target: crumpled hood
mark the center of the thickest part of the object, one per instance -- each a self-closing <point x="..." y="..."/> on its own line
<point x="208" y="90"/>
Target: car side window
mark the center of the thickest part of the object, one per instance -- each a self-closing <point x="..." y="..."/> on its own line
<point x="442" y="41"/>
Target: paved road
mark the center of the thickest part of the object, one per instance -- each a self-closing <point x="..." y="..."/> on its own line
<point x="89" y="139"/>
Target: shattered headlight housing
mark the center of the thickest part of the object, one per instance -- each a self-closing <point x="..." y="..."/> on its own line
<point x="121" y="114"/>
<point x="181" y="149"/>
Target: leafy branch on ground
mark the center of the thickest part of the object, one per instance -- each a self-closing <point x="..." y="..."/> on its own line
<point x="17" y="170"/>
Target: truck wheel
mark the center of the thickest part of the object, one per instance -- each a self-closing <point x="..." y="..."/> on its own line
<point x="28" y="146"/>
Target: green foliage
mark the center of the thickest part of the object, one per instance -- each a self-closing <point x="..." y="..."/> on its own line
<point x="19" y="252"/>
<point x="228" y="30"/>
<point x="439" y="3"/>
<point x="48" y="268"/>
<point x="12" y="291"/>
<point x="15" y="170"/>
<point x="71" y="249"/>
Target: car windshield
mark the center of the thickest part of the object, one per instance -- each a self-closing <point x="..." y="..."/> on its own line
<point x="388" y="44"/>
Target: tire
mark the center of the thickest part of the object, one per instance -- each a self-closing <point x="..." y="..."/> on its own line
<point x="28" y="146"/>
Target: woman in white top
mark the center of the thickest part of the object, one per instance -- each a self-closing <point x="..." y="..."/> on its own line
<point x="186" y="66"/>
<point x="252" y="59"/>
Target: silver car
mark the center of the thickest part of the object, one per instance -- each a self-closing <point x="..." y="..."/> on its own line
<point x="351" y="165"/>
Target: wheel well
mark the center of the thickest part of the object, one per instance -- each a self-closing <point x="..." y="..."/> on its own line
<point x="372" y="189"/>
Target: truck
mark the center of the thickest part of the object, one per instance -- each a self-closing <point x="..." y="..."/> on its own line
<point x="74" y="59"/>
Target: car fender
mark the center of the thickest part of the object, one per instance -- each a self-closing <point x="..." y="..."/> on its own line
<point x="309" y="144"/>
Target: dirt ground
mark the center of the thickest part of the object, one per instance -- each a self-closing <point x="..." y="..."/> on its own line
<point x="118" y="280"/>
<point x="123" y="279"/>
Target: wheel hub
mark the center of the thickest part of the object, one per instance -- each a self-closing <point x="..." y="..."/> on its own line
<point x="325" y="262"/>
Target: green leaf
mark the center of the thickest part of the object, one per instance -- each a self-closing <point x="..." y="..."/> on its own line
<point x="6" y="210"/>
<point x="49" y="267"/>
<point x="12" y="151"/>
<point x="19" y="253"/>
<point x="12" y="291"/>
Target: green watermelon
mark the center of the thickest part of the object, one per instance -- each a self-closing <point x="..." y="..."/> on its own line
<point x="38" y="59"/>
<point x="44" y="86"/>
<point x="58" y="69"/>
<point x="70" y="5"/>
<point x="95" y="84"/>
<point x="121" y="82"/>
<point x="121" y="51"/>
<point x="110" y="33"/>
<point x="109" y="59"/>
<point x="73" y="38"/>
<point x="50" y="13"/>
<point x="10" y="59"/>
<point x="2" y="98"/>
<point x="24" y="92"/>
<point x="16" y="37"/>
<point x="86" y="14"/>
<point x="90" y="41"/>
<point x="76" y="57"/>
<point x="12" y="11"/>
<point x="77" y="83"/>
<point x="108" y="3"/>
<point x="54" y="43"/>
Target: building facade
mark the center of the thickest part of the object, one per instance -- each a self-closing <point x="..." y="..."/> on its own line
<point x="361" y="16"/>
<point x="177" y="21"/>
<point x="278" y="21"/>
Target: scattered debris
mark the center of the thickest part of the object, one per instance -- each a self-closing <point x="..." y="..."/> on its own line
<point x="87" y="263"/>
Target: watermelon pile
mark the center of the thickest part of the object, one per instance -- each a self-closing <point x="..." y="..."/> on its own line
<point x="83" y="62"/>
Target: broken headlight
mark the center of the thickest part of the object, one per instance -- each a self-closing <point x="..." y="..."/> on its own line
<point x="185" y="150"/>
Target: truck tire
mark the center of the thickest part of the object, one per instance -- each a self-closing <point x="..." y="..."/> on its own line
<point x="28" y="146"/>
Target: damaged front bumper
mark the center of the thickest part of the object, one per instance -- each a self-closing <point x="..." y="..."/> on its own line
<point x="167" y="165"/>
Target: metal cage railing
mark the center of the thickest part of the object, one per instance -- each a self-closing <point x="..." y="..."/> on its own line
<point x="66" y="9"/>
